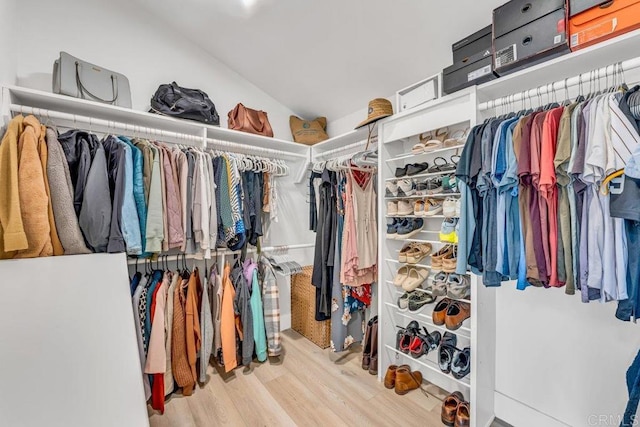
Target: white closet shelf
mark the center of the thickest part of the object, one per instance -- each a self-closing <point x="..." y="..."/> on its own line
<point x="423" y="154"/>
<point x="340" y="141"/>
<point x="421" y="175"/>
<point x="395" y="261"/>
<point x="132" y="119"/>
<point x="433" y="366"/>
<point x="603" y="54"/>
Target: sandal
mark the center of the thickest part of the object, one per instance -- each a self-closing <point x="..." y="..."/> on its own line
<point x="404" y="336"/>
<point x="424" y="343"/>
<point x="457" y="138"/>
<point x="418" y="208"/>
<point x="436" y="259"/>
<point x="450" y="260"/>
<point x="438" y="163"/>
<point x="418" y="253"/>
<point x="436" y="142"/>
<point x="401" y="276"/>
<point x="402" y="256"/>
<point x="415" y="278"/>
<point x="447" y="351"/>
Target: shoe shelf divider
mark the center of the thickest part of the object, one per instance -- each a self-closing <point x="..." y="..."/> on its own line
<point x="397" y="135"/>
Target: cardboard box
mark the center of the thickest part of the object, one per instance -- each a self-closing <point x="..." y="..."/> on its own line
<point x="603" y="21"/>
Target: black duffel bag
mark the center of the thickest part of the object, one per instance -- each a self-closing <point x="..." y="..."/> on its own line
<point x="192" y="104"/>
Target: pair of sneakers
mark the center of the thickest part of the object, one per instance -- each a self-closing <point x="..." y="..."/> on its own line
<point x="449" y="230"/>
<point x="400" y="188"/>
<point x="401" y="207"/>
<point x="452" y="285"/>
<point x="404" y="228"/>
<point x="429" y="186"/>
<point x="451" y="207"/>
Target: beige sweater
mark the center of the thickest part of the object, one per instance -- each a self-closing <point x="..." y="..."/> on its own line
<point x="61" y="192"/>
<point x="44" y="155"/>
<point x="34" y="201"/>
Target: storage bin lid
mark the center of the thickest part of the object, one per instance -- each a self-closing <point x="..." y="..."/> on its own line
<point x="518" y="13"/>
<point x="472" y="38"/>
<point x="467" y="62"/>
<point x="579" y="6"/>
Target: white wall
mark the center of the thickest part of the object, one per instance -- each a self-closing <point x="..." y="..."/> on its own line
<point x="8" y="41"/>
<point x="122" y="37"/>
<point x="564" y="359"/>
<point x="69" y="353"/>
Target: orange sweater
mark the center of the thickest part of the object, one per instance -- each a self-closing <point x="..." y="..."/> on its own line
<point x="12" y="235"/>
<point x="33" y="195"/>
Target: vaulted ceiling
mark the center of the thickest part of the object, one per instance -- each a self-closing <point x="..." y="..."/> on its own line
<point x="326" y="57"/>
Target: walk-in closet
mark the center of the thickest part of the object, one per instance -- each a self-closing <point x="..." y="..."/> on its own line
<point x="284" y="213"/>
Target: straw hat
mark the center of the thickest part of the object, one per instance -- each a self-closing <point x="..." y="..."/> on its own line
<point x="379" y="108"/>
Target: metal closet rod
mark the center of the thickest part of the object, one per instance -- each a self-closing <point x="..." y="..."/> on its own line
<point x="49" y="114"/>
<point x="340" y="149"/>
<point x="562" y="84"/>
<point x="216" y="143"/>
<point x="132" y="261"/>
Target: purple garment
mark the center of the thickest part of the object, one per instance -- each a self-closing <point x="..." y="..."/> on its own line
<point x="534" y="199"/>
<point x="248" y="267"/>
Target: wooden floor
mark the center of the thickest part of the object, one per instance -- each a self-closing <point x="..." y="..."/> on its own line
<point x="306" y="387"/>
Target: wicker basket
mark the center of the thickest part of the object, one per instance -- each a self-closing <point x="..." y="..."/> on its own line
<point x="303" y="307"/>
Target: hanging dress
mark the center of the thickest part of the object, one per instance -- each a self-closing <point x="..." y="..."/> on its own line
<point x="344" y="330"/>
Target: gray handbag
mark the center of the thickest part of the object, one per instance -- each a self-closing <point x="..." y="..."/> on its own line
<point x="80" y="79"/>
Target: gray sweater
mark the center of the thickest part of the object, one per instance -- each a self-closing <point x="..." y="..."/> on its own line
<point x="62" y="194"/>
<point x="95" y="215"/>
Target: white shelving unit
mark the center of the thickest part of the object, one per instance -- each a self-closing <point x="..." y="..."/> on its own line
<point x="397" y="136"/>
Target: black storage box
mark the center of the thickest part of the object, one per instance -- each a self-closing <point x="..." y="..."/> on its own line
<point x="474" y="70"/>
<point x="480" y="41"/>
<point x="525" y="34"/>
<point x="579" y="6"/>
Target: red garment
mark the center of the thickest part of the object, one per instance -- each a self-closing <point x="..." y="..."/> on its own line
<point x="549" y="190"/>
<point x="362" y="294"/>
<point x="157" y="390"/>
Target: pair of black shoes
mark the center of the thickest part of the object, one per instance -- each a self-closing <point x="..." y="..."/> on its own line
<point x="411" y="169"/>
<point x="453" y="360"/>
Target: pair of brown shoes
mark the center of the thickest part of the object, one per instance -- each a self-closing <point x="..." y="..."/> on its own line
<point x="370" y="347"/>
<point x="451" y="313"/>
<point x="402" y="379"/>
<point x="455" y="411"/>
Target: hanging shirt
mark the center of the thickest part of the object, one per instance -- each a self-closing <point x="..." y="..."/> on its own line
<point x="130" y="221"/>
<point x="227" y="322"/>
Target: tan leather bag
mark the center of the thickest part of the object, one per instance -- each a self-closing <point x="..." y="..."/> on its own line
<point x="251" y="121"/>
<point x="308" y="132"/>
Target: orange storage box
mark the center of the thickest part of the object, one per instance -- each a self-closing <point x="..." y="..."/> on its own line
<point x="603" y="22"/>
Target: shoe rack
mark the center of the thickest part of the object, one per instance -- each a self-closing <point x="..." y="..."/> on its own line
<point x="397" y="136"/>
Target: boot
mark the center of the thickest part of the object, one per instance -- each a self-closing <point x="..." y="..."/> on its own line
<point x="407" y="380"/>
<point x="390" y="376"/>
<point x="373" y="364"/>
<point x="366" y="346"/>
